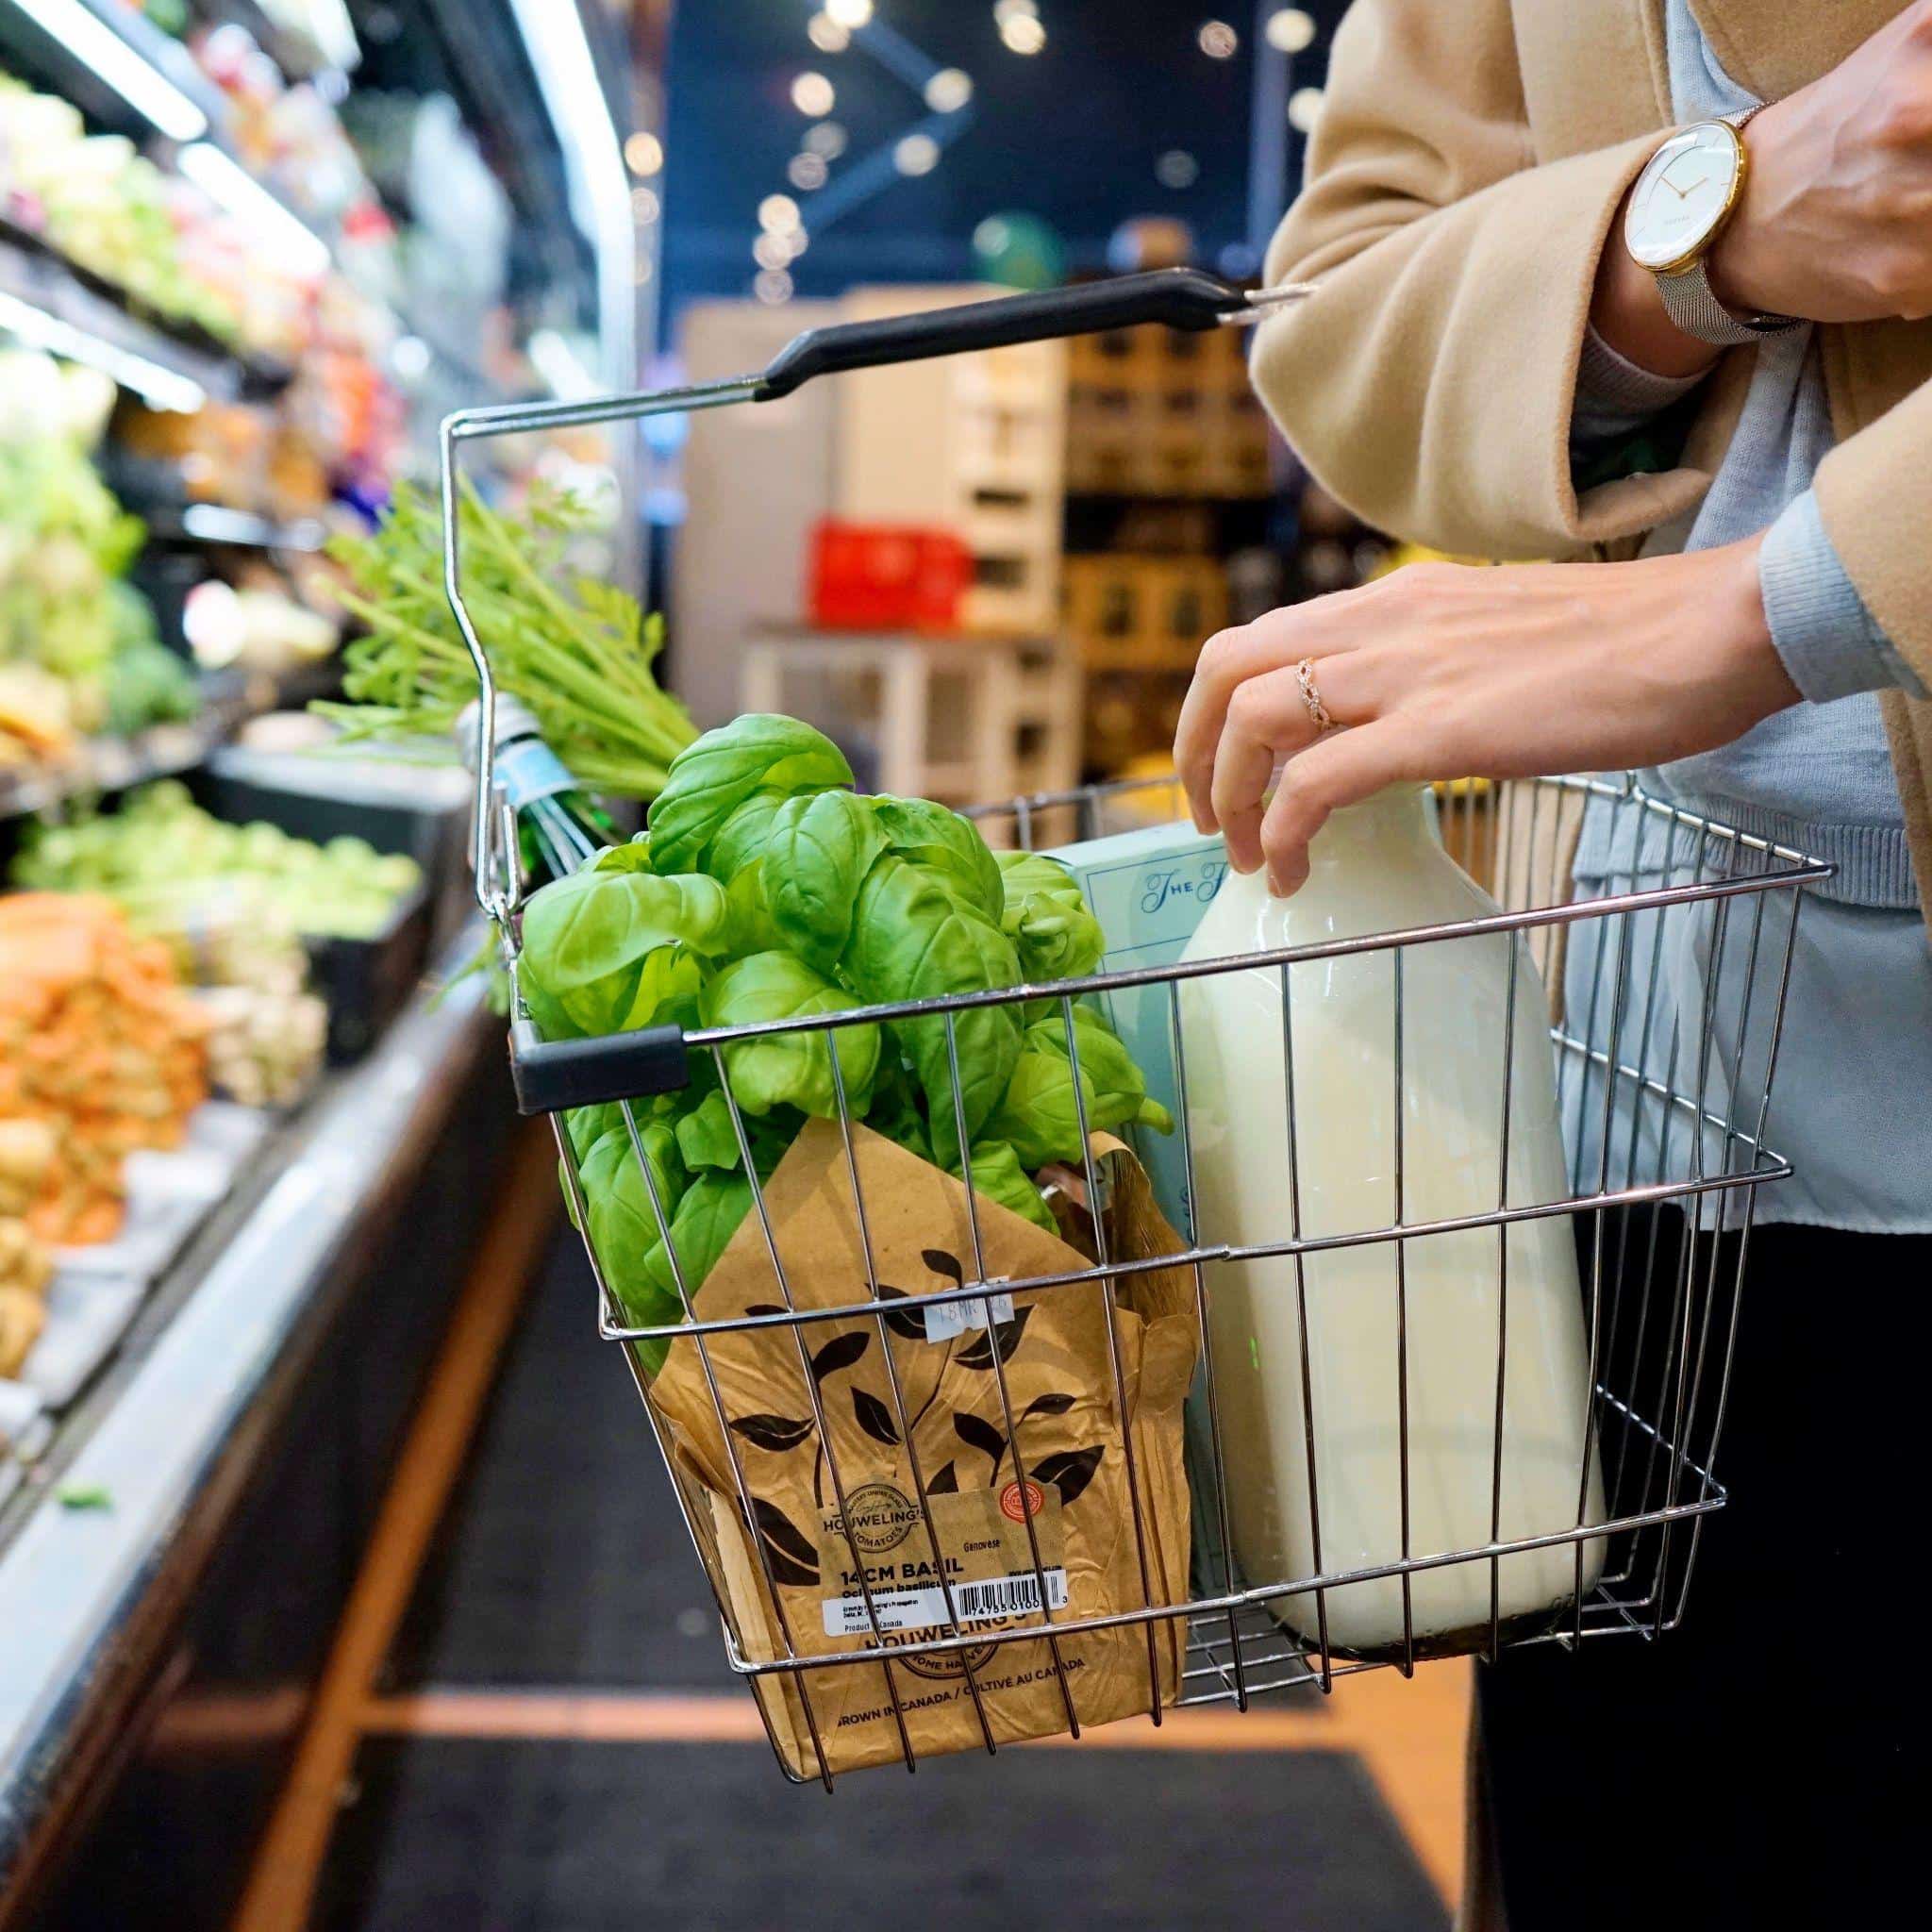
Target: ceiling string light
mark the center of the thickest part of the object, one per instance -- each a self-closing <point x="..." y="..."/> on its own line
<point x="778" y="215"/>
<point x="1291" y="31"/>
<point x="918" y="154"/>
<point x="814" y="94"/>
<point x="948" y="91"/>
<point x="1304" y="106"/>
<point x="1218" y="40"/>
<point x="1019" y="26"/>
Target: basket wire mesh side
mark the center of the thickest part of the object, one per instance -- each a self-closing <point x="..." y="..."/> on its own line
<point x="1664" y="1158"/>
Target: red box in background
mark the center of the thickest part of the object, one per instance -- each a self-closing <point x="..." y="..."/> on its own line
<point x="884" y="576"/>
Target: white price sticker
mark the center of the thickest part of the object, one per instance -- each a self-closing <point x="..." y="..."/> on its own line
<point x="951" y="1318"/>
<point x="987" y="1601"/>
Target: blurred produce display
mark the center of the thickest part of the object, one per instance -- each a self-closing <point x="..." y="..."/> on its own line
<point x="96" y="200"/>
<point x="258" y="626"/>
<point x="26" y="1157"/>
<point x="147" y="683"/>
<point x="99" y="1045"/>
<point x="241" y="456"/>
<point x="79" y="649"/>
<point x="286" y="134"/>
<point x="267" y="1034"/>
<point x="575" y="650"/>
<point x="175" y="869"/>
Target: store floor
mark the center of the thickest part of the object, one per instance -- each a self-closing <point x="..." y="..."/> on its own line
<point x="553" y="1742"/>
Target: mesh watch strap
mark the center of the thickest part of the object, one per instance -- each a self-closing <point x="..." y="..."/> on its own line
<point x="1692" y="304"/>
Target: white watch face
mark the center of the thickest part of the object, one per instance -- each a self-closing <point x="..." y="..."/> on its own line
<point x="1682" y="195"/>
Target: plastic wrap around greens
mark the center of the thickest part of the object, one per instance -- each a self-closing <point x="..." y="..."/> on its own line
<point x="766" y="890"/>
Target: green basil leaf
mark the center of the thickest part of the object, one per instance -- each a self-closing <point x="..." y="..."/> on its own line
<point x="611" y="951"/>
<point x="546" y="1014"/>
<point x="998" y="1175"/>
<point x="712" y="1210"/>
<point x="913" y="938"/>
<point x="706" y="1137"/>
<point x="710" y="778"/>
<point x="1040" y="1113"/>
<point x="1119" y="1086"/>
<point x="622" y="1227"/>
<point x="741" y="840"/>
<point x="929" y="835"/>
<point x="789" y="1069"/>
<point x="632" y="857"/>
<point x="821" y="846"/>
<point x="586" y="1125"/>
<point x="751" y="927"/>
<point x="1047" y="918"/>
<point x="895" y="1111"/>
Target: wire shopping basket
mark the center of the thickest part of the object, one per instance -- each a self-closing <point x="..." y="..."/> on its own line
<point x="1665" y="941"/>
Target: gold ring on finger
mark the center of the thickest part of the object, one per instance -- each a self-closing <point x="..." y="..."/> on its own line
<point x="1319" y="714"/>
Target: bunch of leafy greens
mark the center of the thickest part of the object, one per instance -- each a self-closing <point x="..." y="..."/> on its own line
<point x="767" y="891"/>
<point x="577" y="651"/>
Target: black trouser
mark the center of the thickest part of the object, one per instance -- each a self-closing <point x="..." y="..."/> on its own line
<point x="1751" y="1767"/>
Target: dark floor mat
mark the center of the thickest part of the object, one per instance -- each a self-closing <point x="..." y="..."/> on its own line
<point x="563" y="1560"/>
<point x="581" y="1838"/>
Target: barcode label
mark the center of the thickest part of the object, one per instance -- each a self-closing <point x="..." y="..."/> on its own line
<point x="923" y="1609"/>
<point x="1010" y="1597"/>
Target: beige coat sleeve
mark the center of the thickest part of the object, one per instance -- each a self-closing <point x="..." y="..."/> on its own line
<point x="1429" y="383"/>
<point x="1875" y="494"/>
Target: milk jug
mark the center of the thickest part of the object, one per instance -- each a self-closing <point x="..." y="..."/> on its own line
<point x="1429" y="1309"/>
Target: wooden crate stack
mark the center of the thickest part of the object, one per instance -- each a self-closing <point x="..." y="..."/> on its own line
<point x="1163" y="412"/>
<point x="1167" y="455"/>
<point x="1143" y="613"/>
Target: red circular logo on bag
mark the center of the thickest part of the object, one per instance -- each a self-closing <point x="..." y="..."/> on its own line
<point x="1018" y="1502"/>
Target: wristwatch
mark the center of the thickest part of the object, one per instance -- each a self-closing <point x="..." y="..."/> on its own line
<point x="1685" y="196"/>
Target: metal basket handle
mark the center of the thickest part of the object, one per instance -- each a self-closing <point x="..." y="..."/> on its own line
<point x="1180" y="298"/>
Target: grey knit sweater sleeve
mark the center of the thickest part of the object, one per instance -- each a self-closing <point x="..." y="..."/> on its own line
<point x="1830" y="642"/>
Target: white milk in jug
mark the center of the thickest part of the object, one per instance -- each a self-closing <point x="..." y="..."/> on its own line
<point x="1430" y="1308"/>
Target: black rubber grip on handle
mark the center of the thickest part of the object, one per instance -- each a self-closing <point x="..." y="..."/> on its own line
<point x="1182" y="298"/>
<point x="550" y="1075"/>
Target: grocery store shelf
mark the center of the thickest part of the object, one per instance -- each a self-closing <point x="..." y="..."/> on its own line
<point x="48" y="302"/>
<point x="152" y="1438"/>
<point x="163" y="751"/>
<point x="212" y="523"/>
<point x="166" y="89"/>
<point x="166" y="71"/>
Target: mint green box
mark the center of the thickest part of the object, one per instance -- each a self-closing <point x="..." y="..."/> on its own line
<point x="1149" y="889"/>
